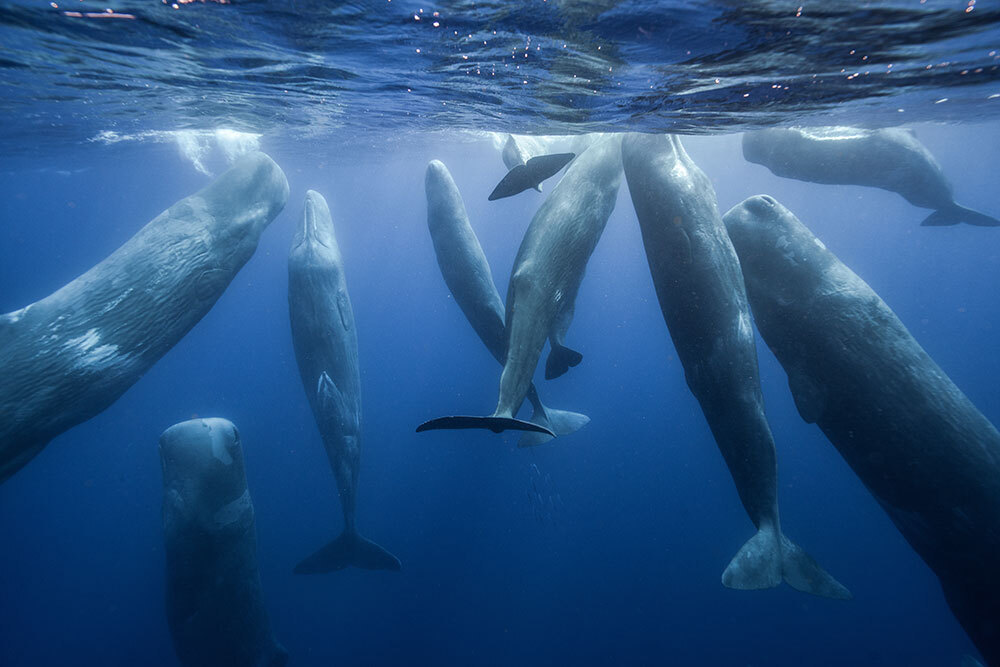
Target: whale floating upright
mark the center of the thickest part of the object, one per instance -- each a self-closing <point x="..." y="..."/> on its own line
<point x="700" y="289"/>
<point x="929" y="457"/>
<point x="891" y="159"/>
<point x="71" y="355"/>
<point x="547" y="273"/>
<point x="326" y="350"/>
<point x="215" y="604"/>
<point x="467" y="274"/>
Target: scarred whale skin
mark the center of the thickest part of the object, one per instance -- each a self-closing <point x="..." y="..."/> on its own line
<point x="929" y="457"/>
<point x="326" y="350"/>
<point x="215" y="604"/>
<point x="700" y="290"/>
<point x="72" y="354"/>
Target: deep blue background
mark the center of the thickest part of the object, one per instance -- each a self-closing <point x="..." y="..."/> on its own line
<point x="627" y="571"/>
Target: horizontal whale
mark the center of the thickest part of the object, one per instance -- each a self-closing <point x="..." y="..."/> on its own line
<point x="891" y="159"/>
<point x="526" y="172"/>
<point x="700" y="289"/>
<point x="72" y="354"/>
<point x="923" y="450"/>
<point x="215" y="604"/>
<point x="467" y="274"/>
<point x="326" y="350"/>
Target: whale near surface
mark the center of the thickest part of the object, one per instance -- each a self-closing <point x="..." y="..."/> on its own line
<point x="891" y="159"/>
<point x="326" y="350"/>
<point x="546" y="277"/>
<point x="700" y="289"/>
<point x="923" y="450"/>
<point x="72" y="354"/>
<point x="215" y="603"/>
<point x="468" y="276"/>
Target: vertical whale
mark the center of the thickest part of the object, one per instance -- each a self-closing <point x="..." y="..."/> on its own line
<point x="215" y="604"/>
<point x="700" y="289"/>
<point x="326" y="349"/>
<point x="467" y="273"/>
<point x="547" y="273"/>
<point x="72" y="354"/>
<point x="922" y="449"/>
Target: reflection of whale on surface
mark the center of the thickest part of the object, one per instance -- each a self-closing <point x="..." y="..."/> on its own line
<point x="891" y="159"/>
<point x="467" y="274"/>
<point x="70" y="355"/>
<point x="547" y="273"/>
<point x="326" y="351"/>
<point x="929" y="457"/>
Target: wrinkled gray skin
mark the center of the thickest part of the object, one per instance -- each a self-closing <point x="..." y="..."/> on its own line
<point x="551" y="261"/>
<point x="215" y="605"/>
<point x="72" y="354"/>
<point x="700" y="289"/>
<point x="891" y="159"/>
<point x="467" y="274"/>
<point x="326" y="349"/>
<point x="929" y="457"/>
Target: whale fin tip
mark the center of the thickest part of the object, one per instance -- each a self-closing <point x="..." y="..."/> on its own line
<point x="495" y="424"/>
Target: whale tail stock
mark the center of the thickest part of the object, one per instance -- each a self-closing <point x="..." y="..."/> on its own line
<point x="530" y="174"/>
<point x="768" y="557"/>
<point x="560" y="360"/>
<point x="491" y="423"/>
<point x="348" y="549"/>
<point x="956" y="214"/>
<point x="560" y="422"/>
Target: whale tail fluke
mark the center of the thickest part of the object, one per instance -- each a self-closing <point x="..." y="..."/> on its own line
<point x="348" y="549"/>
<point x="530" y="174"/>
<point x="804" y="574"/>
<point x="490" y="423"/>
<point x="956" y="214"/>
<point x="560" y="422"/>
<point x="757" y="564"/>
<point x="560" y="360"/>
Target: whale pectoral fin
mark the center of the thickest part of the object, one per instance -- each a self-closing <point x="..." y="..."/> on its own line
<point x="757" y="565"/>
<point x="810" y="398"/>
<point x="495" y="424"/>
<point x="804" y="574"/>
<point x="957" y="214"/>
<point x="330" y="399"/>
<point x="560" y="360"/>
<point x="348" y="549"/>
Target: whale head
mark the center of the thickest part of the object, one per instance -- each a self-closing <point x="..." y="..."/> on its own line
<point x="315" y="235"/>
<point x="779" y="256"/>
<point x="202" y="463"/>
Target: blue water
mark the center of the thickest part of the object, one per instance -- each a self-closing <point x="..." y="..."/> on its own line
<point x="623" y="566"/>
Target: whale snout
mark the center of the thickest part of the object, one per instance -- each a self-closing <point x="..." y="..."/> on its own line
<point x="316" y="226"/>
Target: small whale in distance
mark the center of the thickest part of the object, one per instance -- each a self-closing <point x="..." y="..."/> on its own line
<point x="526" y="172"/>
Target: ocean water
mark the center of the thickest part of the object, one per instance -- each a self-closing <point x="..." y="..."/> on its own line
<point x="606" y="546"/>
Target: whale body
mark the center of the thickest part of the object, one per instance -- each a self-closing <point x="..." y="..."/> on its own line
<point x="214" y="600"/>
<point x="71" y="355"/>
<point x="701" y="293"/>
<point x="326" y="350"/>
<point x="922" y="449"/>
